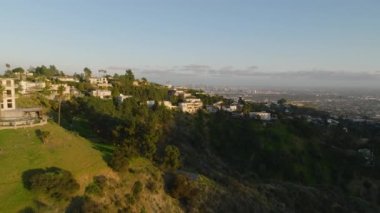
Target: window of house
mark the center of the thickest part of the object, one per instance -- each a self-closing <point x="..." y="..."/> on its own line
<point x="9" y="83"/>
<point x="9" y="92"/>
<point x="1" y="106"/>
<point x="9" y="103"/>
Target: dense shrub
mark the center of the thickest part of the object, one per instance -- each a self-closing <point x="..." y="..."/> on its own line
<point x="181" y="187"/>
<point x="121" y="156"/>
<point x="54" y="182"/>
<point x="172" y="157"/>
<point x="151" y="185"/>
<point x="97" y="186"/>
<point x="43" y="135"/>
<point x="84" y="205"/>
<point x="137" y="189"/>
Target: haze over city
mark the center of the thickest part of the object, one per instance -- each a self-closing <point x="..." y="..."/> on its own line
<point x="290" y="43"/>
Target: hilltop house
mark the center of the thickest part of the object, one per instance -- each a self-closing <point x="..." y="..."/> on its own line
<point x="100" y="82"/>
<point x="102" y="94"/>
<point x="8" y="97"/>
<point x="12" y="117"/>
<point x="29" y="87"/>
<point x="191" y="105"/>
<point x="67" y="79"/>
<point x="265" y="116"/>
<point x="122" y="97"/>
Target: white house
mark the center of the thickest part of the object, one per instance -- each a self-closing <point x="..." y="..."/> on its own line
<point x="67" y="79"/>
<point x="122" y="97"/>
<point x="265" y="116"/>
<point x="212" y="109"/>
<point x="103" y="94"/>
<point x="8" y="98"/>
<point x="167" y="104"/>
<point x="28" y="86"/>
<point x="66" y="89"/>
<point x="231" y="108"/>
<point x="150" y="103"/>
<point x="100" y="82"/>
<point x="191" y="105"/>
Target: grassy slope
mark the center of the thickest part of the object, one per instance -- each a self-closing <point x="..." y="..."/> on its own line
<point x="21" y="150"/>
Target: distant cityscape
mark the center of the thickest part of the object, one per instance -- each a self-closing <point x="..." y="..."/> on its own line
<point x="355" y="104"/>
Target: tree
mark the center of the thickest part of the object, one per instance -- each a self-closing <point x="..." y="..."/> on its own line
<point x="53" y="182"/>
<point x="172" y="157"/>
<point x="18" y="70"/>
<point x="137" y="188"/>
<point x="8" y="66"/>
<point x="87" y="73"/>
<point x="61" y="89"/>
<point x="43" y="135"/>
<point x="129" y="74"/>
<point x="282" y="101"/>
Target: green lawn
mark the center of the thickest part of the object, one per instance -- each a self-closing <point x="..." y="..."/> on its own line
<point x="21" y="150"/>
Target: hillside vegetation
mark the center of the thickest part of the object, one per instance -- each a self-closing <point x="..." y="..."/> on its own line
<point x="22" y="151"/>
<point x="126" y="156"/>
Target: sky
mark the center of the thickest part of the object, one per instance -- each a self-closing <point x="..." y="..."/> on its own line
<point x="317" y="43"/>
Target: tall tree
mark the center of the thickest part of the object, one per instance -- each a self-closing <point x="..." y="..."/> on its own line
<point x="60" y="91"/>
<point x="129" y="74"/>
<point x="19" y="70"/>
<point x="87" y="73"/>
<point x="8" y="66"/>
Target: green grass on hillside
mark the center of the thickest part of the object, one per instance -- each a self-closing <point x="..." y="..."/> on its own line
<point x="21" y="150"/>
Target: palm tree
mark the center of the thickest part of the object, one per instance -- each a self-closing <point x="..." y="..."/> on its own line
<point x="60" y="91"/>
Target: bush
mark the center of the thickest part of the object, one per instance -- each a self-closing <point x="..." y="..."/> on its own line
<point x="97" y="186"/>
<point x="137" y="188"/>
<point x="151" y="185"/>
<point x="121" y="156"/>
<point x="94" y="189"/>
<point x="54" y="182"/>
<point x="182" y="188"/>
<point x="172" y="157"/>
<point x="43" y="135"/>
<point x="85" y="204"/>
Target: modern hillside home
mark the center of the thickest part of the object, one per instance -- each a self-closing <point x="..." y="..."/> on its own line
<point x="191" y="105"/>
<point x="12" y="117"/>
<point x="8" y="96"/>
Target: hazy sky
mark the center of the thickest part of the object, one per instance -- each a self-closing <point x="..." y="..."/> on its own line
<point x="302" y="42"/>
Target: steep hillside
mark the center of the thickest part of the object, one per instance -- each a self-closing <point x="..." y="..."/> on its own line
<point x="22" y="150"/>
<point x="139" y="188"/>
